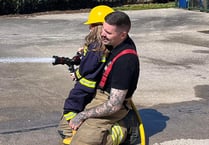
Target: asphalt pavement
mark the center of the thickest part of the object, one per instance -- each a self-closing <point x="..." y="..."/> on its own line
<point x="173" y="90"/>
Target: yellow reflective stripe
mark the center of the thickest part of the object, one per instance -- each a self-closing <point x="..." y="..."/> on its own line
<point x="85" y="50"/>
<point x="87" y="83"/>
<point x="77" y="73"/>
<point x="114" y="136"/>
<point x="117" y="128"/>
<point x="70" y="115"/>
<point x="103" y="59"/>
<point x="121" y="136"/>
<point x="117" y="134"/>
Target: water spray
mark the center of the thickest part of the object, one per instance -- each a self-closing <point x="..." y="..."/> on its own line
<point x="26" y="60"/>
<point x="55" y="60"/>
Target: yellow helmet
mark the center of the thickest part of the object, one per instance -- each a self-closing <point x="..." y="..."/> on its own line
<point x="97" y="14"/>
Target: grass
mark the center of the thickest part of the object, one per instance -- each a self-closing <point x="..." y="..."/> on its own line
<point x="146" y="6"/>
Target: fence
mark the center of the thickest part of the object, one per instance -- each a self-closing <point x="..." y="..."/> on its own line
<point x="202" y="5"/>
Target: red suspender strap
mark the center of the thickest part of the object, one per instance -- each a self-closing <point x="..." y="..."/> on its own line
<point x="109" y="67"/>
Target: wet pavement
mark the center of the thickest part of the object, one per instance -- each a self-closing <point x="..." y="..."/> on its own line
<point x="173" y="91"/>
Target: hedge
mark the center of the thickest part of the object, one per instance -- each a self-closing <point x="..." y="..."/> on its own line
<point x="31" y="6"/>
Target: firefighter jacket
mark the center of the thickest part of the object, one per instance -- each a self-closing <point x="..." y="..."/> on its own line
<point x="87" y="76"/>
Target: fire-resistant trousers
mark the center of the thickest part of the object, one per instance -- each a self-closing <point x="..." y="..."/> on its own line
<point x="64" y="129"/>
<point x="97" y="131"/>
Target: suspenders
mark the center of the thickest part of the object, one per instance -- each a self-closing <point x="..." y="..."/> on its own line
<point x="109" y="67"/>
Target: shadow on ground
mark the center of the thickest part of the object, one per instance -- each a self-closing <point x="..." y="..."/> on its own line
<point x="153" y="121"/>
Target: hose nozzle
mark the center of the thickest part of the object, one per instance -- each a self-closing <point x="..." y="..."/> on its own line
<point x="68" y="61"/>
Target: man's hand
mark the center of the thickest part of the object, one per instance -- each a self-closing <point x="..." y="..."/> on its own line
<point x="76" y="122"/>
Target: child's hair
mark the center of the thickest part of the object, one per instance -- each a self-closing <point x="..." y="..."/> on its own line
<point x="95" y="37"/>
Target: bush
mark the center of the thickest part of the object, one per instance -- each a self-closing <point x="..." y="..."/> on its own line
<point x="30" y="6"/>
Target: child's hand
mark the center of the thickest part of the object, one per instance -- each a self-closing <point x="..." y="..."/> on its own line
<point x="80" y="49"/>
<point x="72" y="75"/>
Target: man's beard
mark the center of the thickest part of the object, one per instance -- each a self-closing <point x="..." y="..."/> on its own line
<point x="107" y="44"/>
<point x="105" y="41"/>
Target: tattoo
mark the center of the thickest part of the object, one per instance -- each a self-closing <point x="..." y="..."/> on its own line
<point x="79" y="118"/>
<point x="114" y="104"/>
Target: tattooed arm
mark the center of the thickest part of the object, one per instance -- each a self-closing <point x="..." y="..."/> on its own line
<point x="111" y="106"/>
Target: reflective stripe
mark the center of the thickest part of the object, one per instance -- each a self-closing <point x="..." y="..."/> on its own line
<point x="85" y="50"/>
<point x="70" y="115"/>
<point x="117" y="134"/>
<point x="88" y="83"/>
<point x="78" y="75"/>
<point x="114" y="137"/>
<point x="103" y="59"/>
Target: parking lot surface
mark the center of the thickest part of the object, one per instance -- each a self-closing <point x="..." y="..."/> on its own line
<point x="173" y="90"/>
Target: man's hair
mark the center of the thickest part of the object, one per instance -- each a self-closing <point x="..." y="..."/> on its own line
<point x="119" y="19"/>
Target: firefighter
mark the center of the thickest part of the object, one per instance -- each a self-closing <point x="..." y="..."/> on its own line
<point x="101" y="123"/>
<point x="94" y="55"/>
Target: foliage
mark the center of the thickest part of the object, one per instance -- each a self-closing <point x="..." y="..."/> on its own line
<point x="31" y="6"/>
<point x="146" y="6"/>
